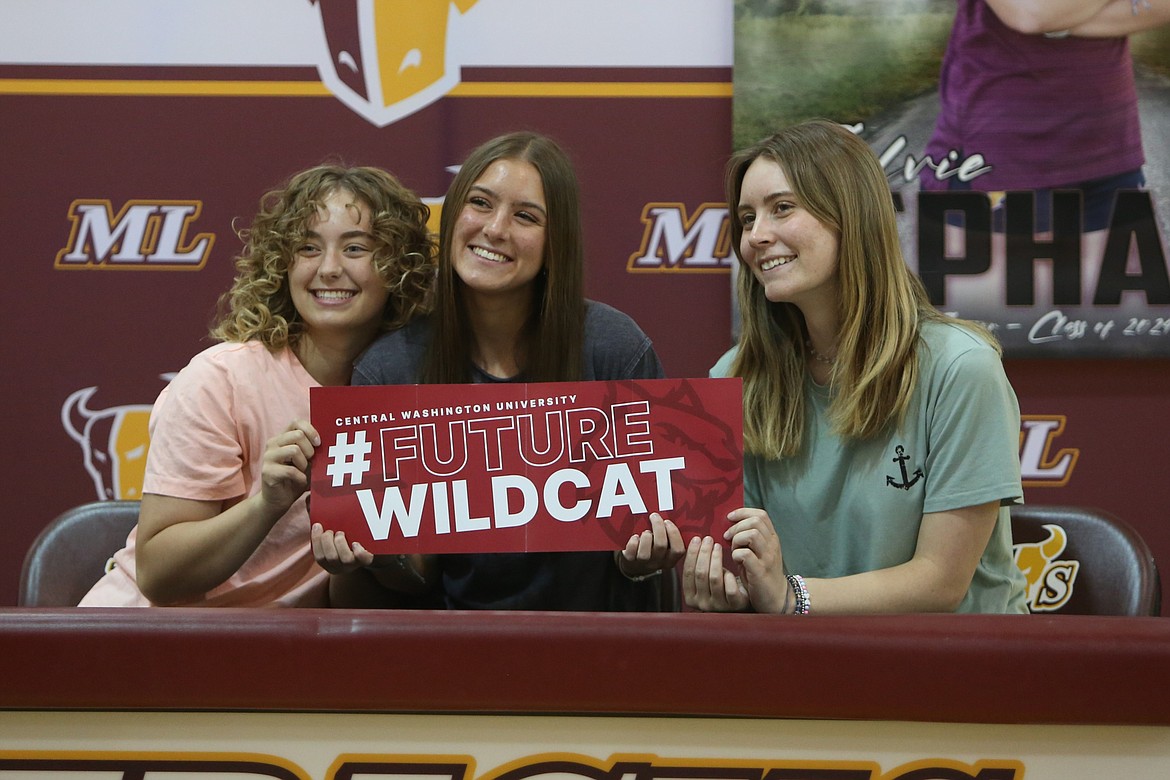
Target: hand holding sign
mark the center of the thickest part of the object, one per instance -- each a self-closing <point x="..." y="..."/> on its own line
<point x="660" y="547"/>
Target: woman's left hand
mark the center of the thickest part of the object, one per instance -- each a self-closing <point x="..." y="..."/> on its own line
<point x="657" y="549"/>
<point x="756" y="548"/>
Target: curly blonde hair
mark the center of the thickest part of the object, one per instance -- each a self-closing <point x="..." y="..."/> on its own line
<point x="259" y="304"/>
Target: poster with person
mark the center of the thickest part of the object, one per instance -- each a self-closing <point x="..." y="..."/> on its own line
<point x="1027" y="156"/>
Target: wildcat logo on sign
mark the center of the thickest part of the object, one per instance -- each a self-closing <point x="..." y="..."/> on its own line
<point x="524" y="467"/>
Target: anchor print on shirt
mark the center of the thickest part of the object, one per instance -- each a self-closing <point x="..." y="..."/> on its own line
<point x="908" y="480"/>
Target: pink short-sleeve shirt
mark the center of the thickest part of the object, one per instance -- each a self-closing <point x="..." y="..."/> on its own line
<point x="208" y="431"/>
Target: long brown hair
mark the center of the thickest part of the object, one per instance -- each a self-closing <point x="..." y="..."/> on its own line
<point x="259" y="304"/>
<point x="554" y="334"/>
<point x="838" y="179"/>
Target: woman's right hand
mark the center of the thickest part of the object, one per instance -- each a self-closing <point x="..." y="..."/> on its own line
<point x="754" y="546"/>
<point x="399" y="573"/>
<point x="284" y="471"/>
<point x="706" y="585"/>
<point x="336" y="555"/>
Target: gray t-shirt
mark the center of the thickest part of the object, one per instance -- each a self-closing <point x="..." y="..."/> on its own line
<point x="844" y="506"/>
<point x="615" y="348"/>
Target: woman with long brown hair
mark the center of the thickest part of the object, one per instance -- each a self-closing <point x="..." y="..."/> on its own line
<point x="510" y="307"/>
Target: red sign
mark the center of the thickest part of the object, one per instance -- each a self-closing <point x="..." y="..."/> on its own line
<point x="525" y="467"/>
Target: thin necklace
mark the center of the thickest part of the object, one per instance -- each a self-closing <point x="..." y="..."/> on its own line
<point x="817" y="356"/>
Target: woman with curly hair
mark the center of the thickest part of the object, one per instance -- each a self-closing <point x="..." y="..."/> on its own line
<point x="334" y="258"/>
<point x="882" y="436"/>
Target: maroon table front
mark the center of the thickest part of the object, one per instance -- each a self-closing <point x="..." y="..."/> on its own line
<point x="938" y="668"/>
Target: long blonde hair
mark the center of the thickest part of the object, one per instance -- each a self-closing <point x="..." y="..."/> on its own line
<point x="838" y="179"/>
<point x="259" y="304"/>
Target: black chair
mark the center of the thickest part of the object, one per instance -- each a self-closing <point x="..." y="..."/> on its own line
<point x="1082" y="561"/>
<point x="70" y="554"/>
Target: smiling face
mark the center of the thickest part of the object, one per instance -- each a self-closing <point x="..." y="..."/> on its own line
<point x="498" y="241"/>
<point x="331" y="278"/>
<point x="792" y="254"/>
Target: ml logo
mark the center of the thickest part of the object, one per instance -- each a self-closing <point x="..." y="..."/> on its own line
<point x="673" y="240"/>
<point x="143" y="234"/>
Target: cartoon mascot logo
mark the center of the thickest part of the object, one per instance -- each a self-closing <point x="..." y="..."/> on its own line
<point x="1050" y="581"/>
<point x="389" y="58"/>
<point x="113" y="442"/>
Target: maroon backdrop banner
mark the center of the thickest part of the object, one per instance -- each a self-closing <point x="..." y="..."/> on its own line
<point x="126" y="172"/>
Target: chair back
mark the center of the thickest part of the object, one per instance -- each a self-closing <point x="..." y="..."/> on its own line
<point x="1082" y="561"/>
<point x="70" y="554"/>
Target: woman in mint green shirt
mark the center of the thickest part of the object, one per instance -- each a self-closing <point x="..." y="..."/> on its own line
<point x="881" y="435"/>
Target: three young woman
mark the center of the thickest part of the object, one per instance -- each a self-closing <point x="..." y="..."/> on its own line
<point x="881" y="436"/>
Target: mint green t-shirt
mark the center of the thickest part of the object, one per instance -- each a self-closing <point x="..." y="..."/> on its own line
<point x="844" y="506"/>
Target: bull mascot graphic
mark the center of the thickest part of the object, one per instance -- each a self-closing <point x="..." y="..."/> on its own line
<point x="389" y="58"/>
<point x="113" y="442"/>
<point x="1050" y="582"/>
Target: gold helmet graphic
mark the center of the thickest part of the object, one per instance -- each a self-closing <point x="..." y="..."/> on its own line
<point x="389" y="58"/>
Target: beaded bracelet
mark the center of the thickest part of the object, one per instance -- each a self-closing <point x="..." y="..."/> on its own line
<point x="617" y="559"/>
<point x="803" y="605"/>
